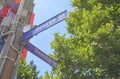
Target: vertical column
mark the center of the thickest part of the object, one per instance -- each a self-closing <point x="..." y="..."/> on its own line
<point x="10" y="53"/>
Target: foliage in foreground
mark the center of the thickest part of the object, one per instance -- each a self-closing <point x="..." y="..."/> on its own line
<point x="27" y="71"/>
<point x="92" y="49"/>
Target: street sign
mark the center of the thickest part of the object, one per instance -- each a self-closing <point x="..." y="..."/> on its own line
<point x="45" y="25"/>
<point x="41" y="55"/>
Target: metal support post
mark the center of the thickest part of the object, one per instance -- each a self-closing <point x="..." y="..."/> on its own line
<point x="11" y="52"/>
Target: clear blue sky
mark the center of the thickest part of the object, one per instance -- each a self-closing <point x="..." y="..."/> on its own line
<point x="45" y="9"/>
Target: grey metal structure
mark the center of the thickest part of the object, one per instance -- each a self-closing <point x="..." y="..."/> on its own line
<point x="11" y="52"/>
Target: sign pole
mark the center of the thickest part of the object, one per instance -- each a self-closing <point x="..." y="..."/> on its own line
<point x="11" y="52"/>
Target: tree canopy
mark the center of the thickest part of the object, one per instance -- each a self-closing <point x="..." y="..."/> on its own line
<point x="92" y="49"/>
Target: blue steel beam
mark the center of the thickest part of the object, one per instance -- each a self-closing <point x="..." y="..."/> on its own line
<point x="45" y="25"/>
<point x="41" y="55"/>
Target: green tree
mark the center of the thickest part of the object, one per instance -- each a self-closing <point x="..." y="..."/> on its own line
<point x="49" y="76"/>
<point x="92" y="48"/>
<point x="27" y="71"/>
